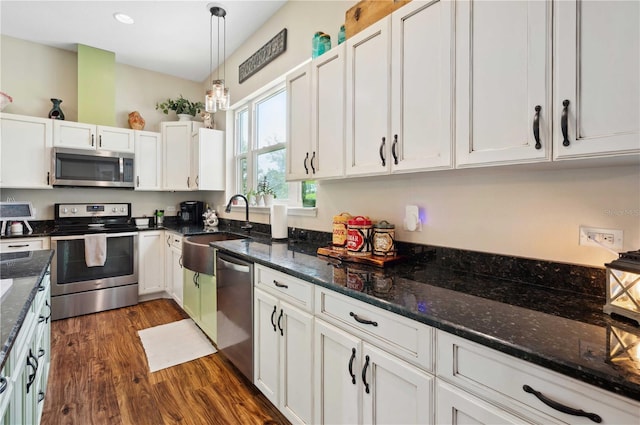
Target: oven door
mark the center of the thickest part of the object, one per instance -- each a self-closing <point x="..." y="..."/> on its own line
<point x="69" y="271"/>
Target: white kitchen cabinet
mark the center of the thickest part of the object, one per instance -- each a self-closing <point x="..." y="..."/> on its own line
<point x="68" y="134"/>
<point x="368" y="101"/>
<point x="500" y="380"/>
<point x="503" y="74"/>
<point x="200" y="302"/>
<point x="299" y="145"/>
<point x="27" y="369"/>
<point x="173" y="266"/>
<point x="283" y="332"/>
<point x="176" y="154"/>
<point x="457" y="407"/>
<point x="207" y="160"/>
<point x="315" y="105"/>
<point x="25" y="152"/>
<point x="365" y="353"/>
<point x="399" y="92"/>
<point x="597" y="70"/>
<point x="151" y="248"/>
<point x="421" y="87"/>
<point x="349" y="369"/>
<point x="24" y="244"/>
<point x="148" y="160"/>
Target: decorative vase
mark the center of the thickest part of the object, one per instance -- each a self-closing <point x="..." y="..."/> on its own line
<point x="55" y="112"/>
<point x="136" y="122"/>
<point x="268" y="199"/>
<point x="185" y="117"/>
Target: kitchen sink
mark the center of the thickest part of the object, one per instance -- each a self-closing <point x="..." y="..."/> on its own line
<point x="197" y="255"/>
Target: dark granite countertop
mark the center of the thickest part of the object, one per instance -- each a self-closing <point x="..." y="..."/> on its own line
<point x="548" y="327"/>
<point x="26" y="269"/>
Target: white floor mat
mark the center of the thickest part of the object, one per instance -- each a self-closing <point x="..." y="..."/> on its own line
<point x="174" y="343"/>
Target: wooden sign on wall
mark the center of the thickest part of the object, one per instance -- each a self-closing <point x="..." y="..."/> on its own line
<point x="271" y="50"/>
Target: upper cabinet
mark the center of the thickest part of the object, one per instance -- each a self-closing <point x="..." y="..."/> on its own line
<point x="597" y="77"/>
<point x="67" y="134"/>
<point x="368" y="100"/>
<point x="148" y="160"/>
<point x="25" y="152"/>
<point x="503" y="82"/>
<point x="421" y="87"/>
<point x="399" y="88"/>
<point x="176" y="154"/>
<point x="315" y="128"/>
<point x="207" y="160"/>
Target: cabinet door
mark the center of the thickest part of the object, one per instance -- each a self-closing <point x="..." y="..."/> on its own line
<point x="148" y="160"/>
<point x="368" y="100"/>
<point x="597" y="60"/>
<point x="299" y="124"/>
<point x="150" y="252"/>
<point x="168" y="264"/>
<point x="208" y="305"/>
<point x="397" y="391"/>
<point x="176" y="137"/>
<point x="421" y="114"/>
<point x="211" y="159"/>
<point x="194" y="167"/>
<point x="191" y="295"/>
<point x="176" y="269"/>
<point x="337" y="375"/>
<point x="327" y="114"/>
<point x="67" y="134"/>
<point x="455" y="406"/>
<point x="296" y="363"/>
<point x="25" y="152"/>
<point x="503" y="73"/>
<point x="266" y="344"/>
<point x="116" y="139"/>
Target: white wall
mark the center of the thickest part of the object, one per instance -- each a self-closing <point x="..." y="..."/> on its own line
<point x="516" y="210"/>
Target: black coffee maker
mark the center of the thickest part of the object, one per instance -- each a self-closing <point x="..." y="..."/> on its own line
<point x="191" y="213"/>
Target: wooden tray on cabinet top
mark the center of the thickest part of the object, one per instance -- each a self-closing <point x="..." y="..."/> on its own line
<point x="372" y="260"/>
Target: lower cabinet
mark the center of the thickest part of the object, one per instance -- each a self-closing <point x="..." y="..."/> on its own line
<point x="480" y="376"/>
<point x="151" y="250"/>
<point x="283" y="360"/>
<point x="349" y="369"/>
<point x="173" y="266"/>
<point x="199" y="301"/>
<point x="23" y="381"/>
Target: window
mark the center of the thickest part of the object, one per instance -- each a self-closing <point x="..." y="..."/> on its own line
<point x="260" y="147"/>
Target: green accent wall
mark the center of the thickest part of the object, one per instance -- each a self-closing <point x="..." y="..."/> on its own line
<point x="96" y="86"/>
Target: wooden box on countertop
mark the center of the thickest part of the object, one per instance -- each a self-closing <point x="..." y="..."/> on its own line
<point x="366" y="12"/>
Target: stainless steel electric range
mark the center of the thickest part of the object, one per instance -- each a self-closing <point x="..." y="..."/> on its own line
<point x="76" y="287"/>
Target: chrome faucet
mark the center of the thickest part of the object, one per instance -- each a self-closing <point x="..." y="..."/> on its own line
<point x="247" y="226"/>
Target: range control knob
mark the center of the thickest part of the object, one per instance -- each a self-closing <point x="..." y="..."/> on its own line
<point x="121" y="209"/>
<point x="114" y="209"/>
<point x="74" y="210"/>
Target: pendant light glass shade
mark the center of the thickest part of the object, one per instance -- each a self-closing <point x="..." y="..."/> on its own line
<point x="218" y="97"/>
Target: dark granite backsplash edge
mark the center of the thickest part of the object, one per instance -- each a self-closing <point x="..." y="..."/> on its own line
<point x="572" y="278"/>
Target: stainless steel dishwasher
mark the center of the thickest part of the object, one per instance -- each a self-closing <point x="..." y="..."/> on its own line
<point x="234" y="279"/>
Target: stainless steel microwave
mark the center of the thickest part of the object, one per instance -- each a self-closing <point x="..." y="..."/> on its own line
<point x="78" y="167"/>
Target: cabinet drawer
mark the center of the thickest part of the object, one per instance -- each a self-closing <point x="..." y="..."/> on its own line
<point x="500" y="378"/>
<point x="406" y="338"/>
<point x="288" y="288"/>
<point x="24" y="244"/>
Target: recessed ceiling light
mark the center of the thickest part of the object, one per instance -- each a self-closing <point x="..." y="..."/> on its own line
<point x="121" y="17"/>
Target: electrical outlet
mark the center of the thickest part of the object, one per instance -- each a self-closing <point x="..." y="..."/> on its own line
<point x="412" y="221"/>
<point x="593" y="236"/>
<point x="170" y="210"/>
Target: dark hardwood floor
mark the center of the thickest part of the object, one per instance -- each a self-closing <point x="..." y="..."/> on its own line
<point x="99" y="375"/>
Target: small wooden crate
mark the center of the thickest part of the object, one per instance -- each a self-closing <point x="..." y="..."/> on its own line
<point x="366" y="12"/>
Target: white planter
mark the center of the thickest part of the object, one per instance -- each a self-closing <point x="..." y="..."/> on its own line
<point x="185" y="117"/>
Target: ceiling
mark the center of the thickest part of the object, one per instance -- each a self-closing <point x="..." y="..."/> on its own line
<point x="170" y="37"/>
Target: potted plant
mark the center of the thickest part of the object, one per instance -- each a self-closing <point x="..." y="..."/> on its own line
<point x="183" y="107"/>
<point x="265" y="191"/>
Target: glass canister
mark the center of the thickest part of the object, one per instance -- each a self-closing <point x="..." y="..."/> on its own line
<point x="325" y="40"/>
<point x="359" y="236"/>
<point x="341" y="35"/>
<point x="339" y="239"/>
<point x="384" y="239"/>
<point x="320" y="43"/>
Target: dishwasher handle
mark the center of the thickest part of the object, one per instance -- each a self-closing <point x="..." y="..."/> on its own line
<point x="233" y="266"/>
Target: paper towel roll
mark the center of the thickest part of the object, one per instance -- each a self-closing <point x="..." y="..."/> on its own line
<point x="279" y="221"/>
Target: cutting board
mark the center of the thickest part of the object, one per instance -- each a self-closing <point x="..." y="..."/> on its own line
<point x="373" y="260"/>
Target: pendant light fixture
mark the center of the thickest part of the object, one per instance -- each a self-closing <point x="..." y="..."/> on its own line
<point x="218" y="97"/>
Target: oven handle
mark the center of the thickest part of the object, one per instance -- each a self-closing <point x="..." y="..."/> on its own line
<point x="109" y="235"/>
